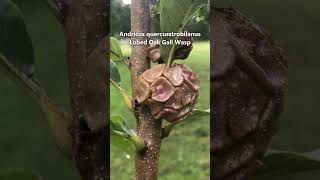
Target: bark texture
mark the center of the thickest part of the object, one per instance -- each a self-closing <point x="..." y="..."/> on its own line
<point x="148" y="128"/>
<point x="248" y="76"/>
<point x="86" y="25"/>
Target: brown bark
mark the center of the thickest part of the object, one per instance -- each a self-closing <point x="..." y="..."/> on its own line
<point x="86" y="25"/>
<point x="147" y="127"/>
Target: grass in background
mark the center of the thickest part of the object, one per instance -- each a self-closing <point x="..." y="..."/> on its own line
<point x="185" y="154"/>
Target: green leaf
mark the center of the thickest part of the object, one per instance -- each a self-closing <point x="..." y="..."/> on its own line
<point x="122" y="135"/>
<point x="119" y="126"/>
<point x="201" y="15"/>
<point x="115" y="80"/>
<point x="59" y="120"/>
<point x="15" y="42"/>
<point x="114" y="73"/>
<point x="18" y="175"/>
<point x="281" y="163"/>
<point x="121" y="143"/>
<point x="197" y="114"/>
<point x="115" y="49"/>
<point x="174" y="15"/>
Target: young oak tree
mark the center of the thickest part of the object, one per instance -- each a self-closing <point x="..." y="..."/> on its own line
<point x="165" y="91"/>
<point x="82" y="133"/>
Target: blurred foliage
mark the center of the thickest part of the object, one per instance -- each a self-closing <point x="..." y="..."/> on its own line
<point x="19" y="174"/>
<point x="120" y="18"/>
<point x="25" y="141"/>
<point x="13" y="36"/>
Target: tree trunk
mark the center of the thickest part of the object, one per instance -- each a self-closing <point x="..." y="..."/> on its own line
<point x="86" y="24"/>
<point x="147" y="127"/>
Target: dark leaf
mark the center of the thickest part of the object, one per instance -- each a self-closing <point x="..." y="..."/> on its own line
<point x="18" y="175"/>
<point x="281" y="163"/>
<point x="15" y="43"/>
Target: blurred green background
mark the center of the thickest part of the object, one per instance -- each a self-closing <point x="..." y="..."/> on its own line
<point x="25" y="140"/>
<point x="296" y="26"/>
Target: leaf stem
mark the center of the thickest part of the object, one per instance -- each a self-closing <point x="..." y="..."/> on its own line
<point x="138" y="143"/>
<point x="125" y="95"/>
<point x="183" y="24"/>
<point x="170" y="59"/>
<point x="167" y="129"/>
